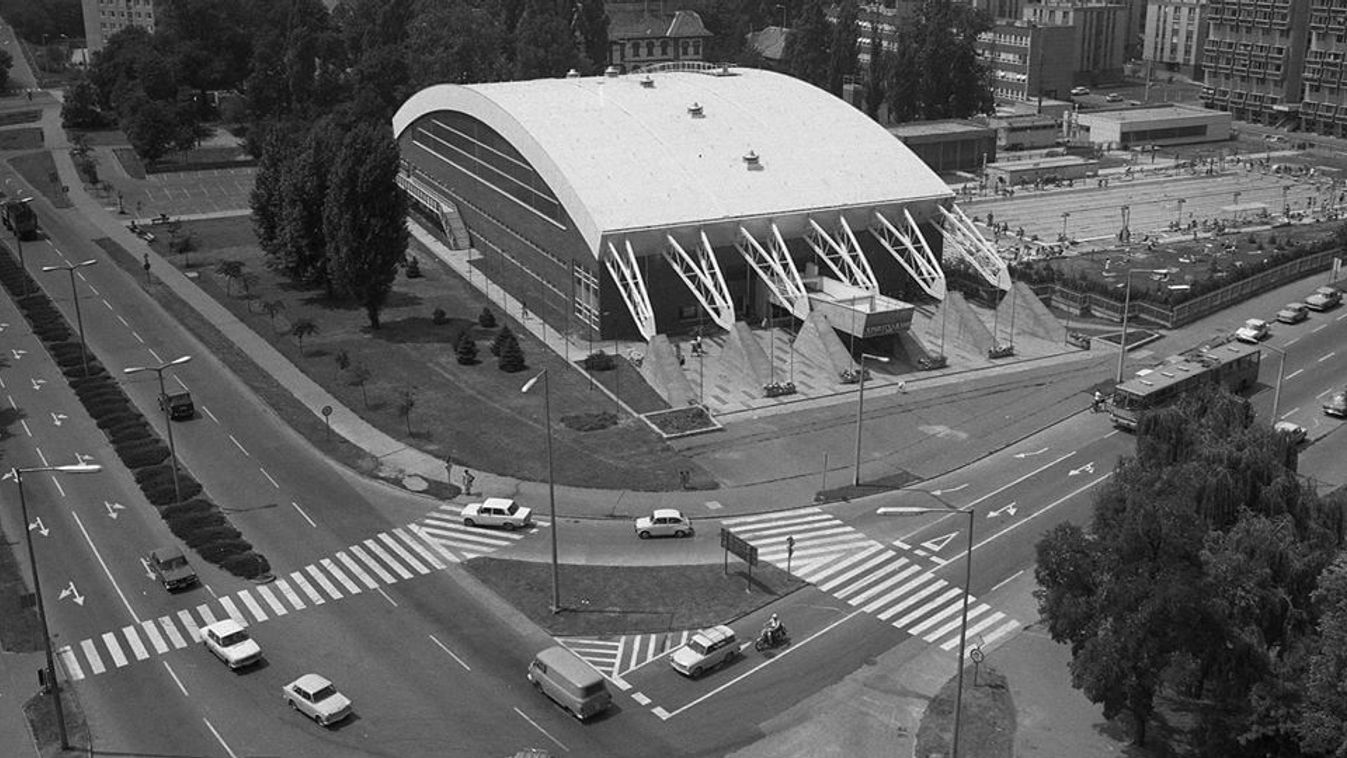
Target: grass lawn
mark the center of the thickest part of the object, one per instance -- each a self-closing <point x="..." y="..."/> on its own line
<point x="602" y="600"/>
<point x="20" y="630"/>
<point x="474" y="413"/>
<point x="29" y="138"/>
<point x="11" y="118"/>
<point x="42" y="722"/>
<point x="39" y="170"/>
<point x="987" y="723"/>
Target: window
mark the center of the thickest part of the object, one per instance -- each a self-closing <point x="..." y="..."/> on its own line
<point x="664" y="48"/>
<point x="683" y="47"/>
<point x="697" y="47"/>
<point x="636" y="50"/>
<point x="650" y="48"/>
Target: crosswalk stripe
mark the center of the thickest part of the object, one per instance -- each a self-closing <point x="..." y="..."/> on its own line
<point x="975" y="629"/>
<point x="306" y="588"/>
<point x="354" y="568"/>
<point x="427" y="534"/>
<point x="252" y="605"/>
<point x="832" y="567"/>
<point x="462" y="536"/>
<point x="206" y="614"/>
<point x="957" y="622"/>
<point x="373" y="565"/>
<point x="156" y="639"/>
<point x="784" y="529"/>
<point x="831" y="534"/>
<point x="166" y="622"/>
<point x="91" y="655"/>
<point x="941" y="599"/>
<point x="328" y="587"/>
<point x="875" y="576"/>
<point x="290" y="595"/>
<point x="841" y="579"/>
<point x="894" y="594"/>
<point x="951" y="609"/>
<point x="277" y="607"/>
<point x="402" y="553"/>
<point x="232" y="611"/>
<point x="932" y="584"/>
<point x="189" y="624"/>
<point x="888" y="584"/>
<point x="71" y="663"/>
<point x="738" y="520"/>
<point x="114" y="650"/>
<point x="351" y="587"/>
<point x="1000" y="632"/>
<point x="386" y="558"/>
<point x="415" y="544"/>
<point x="137" y="647"/>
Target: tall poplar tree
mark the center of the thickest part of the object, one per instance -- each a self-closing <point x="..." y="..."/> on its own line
<point x="807" y="48"/>
<point x="842" y="47"/>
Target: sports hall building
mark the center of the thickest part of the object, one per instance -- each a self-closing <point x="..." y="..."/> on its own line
<point x="643" y="205"/>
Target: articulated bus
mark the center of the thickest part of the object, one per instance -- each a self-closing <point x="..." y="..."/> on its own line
<point x="1233" y="365"/>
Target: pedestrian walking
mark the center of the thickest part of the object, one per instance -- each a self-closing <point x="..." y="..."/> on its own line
<point x="448" y="468"/>
<point x="468" y="479"/>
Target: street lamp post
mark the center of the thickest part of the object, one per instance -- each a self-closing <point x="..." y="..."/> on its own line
<point x="1178" y="218"/>
<point x="1127" y="305"/>
<point x="1126" y="233"/>
<point x="1065" y="215"/>
<point x="52" y="683"/>
<point x="967" y="590"/>
<point x="1237" y="194"/>
<point x="1277" y="391"/>
<point x="860" y="410"/>
<point x="75" y="295"/>
<point x="551" y="487"/>
<point x="168" y="420"/>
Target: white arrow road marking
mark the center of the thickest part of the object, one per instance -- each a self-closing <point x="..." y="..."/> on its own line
<point x="938" y="493"/>
<point x="1003" y="509"/>
<point x="145" y="563"/>
<point x="18" y="354"/>
<point x="1030" y="455"/>
<point x="113" y="508"/>
<point x="71" y="592"/>
<point x="37" y="384"/>
<point x="939" y="543"/>
<point x="82" y="458"/>
<point x="57" y="418"/>
<point x="1086" y="469"/>
<point x="4" y="325"/>
<point x="39" y="527"/>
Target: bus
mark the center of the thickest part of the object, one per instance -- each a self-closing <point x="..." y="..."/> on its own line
<point x="1233" y="365"/>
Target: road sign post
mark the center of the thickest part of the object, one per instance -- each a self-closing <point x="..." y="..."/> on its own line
<point x="327" y="422"/>
<point x="790" y="551"/>
<point x="740" y="547"/>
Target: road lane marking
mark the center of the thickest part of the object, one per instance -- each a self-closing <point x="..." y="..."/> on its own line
<point x="1326" y="357"/>
<point x="1041" y="511"/>
<point x="351" y="588"/>
<point x="206" y="411"/>
<point x="176" y="680"/>
<point x="290" y="594"/>
<point x="889" y="613"/>
<point x="233" y="611"/>
<point x="388" y="559"/>
<point x="442" y="646"/>
<point x="302" y="513"/>
<point x="155" y="355"/>
<point x="386" y="597"/>
<point x="172" y="631"/>
<point x="252" y="605"/>
<point x="1294" y="374"/>
<point x="277" y="607"/>
<point x="206" y="614"/>
<point x="109" y="305"/>
<point x="268" y="476"/>
<point x="26" y="430"/>
<point x="71" y="662"/>
<point x="239" y="445"/>
<point x="189" y="624"/>
<point x="91" y="655"/>
<point x="1005" y="581"/>
<point x="952" y="608"/>
<point x="157" y="640"/>
<point x="328" y="587"/>
<point x="1035" y="472"/>
<point x="668" y="715"/>
<point x="416" y="545"/>
<point x="402" y="553"/>
<point x="354" y="568"/>
<point x="544" y="731"/>
<point x="1291" y="342"/>
<point x="950" y="626"/>
<point x="1289" y="413"/>
<point x="978" y="627"/>
<point x="106" y="570"/>
<point x="119" y="318"/>
<point x="114" y="649"/>
<point x="306" y="588"/>
<point x="138" y="648"/>
<point x="220" y="739"/>
<point x="373" y="565"/>
<point x="940" y="600"/>
<point x="1319" y="328"/>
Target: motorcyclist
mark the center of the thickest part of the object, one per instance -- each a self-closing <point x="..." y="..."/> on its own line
<point x="773" y="630"/>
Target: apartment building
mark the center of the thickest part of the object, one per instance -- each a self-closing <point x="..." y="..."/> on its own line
<point x="1323" y="107"/>
<point x="104" y="18"/>
<point x="1254" y="55"/>
<point x="1028" y="61"/>
<point x="1100" y="35"/>
<point x="1176" y="31"/>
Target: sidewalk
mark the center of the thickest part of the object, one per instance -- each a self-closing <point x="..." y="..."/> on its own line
<point x="18" y="682"/>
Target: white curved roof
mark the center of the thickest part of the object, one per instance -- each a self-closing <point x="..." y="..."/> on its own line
<point x="624" y="158"/>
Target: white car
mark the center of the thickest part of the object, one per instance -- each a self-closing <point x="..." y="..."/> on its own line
<point x="1253" y="330"/>
<point x="664" y="522"/>
<point x="230" y="642"/>
<point x="1324" y="298"/>
<point x="1294" y="431"/>
<point x="1337" y="405"/>
<point x="706" y="650"/>
<point x="498" y="511"/>
<point x="1078" y="91"/>
<point x="315" y="697"/>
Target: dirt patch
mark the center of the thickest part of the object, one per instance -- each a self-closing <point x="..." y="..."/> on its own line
<point x="601" y="600"/>
<point x="986" y="723"/>
<point x="20" y="629"/>
<point x="20" y="139"/>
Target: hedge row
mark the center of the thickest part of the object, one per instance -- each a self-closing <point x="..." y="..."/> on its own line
<point x="196" y="521"/>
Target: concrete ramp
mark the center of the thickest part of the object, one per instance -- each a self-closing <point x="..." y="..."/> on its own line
<point x="662" y="372"/>
<point x="912" y="348"/>
<point x="818" y="343"/>
<point x="964" y="326"/>
<point x="1032" y="317"/>
<point x="746" y="358"/>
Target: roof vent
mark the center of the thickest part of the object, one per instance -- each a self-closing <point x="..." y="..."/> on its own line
<point x="611" y="72"/>
<point x="695" y="110"/>
<point x="647" y="82"/>
<point x="752" y="161"/>
<point x="572" y="74"/>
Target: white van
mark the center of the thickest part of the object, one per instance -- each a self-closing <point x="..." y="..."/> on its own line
<point x="572" y="683"/>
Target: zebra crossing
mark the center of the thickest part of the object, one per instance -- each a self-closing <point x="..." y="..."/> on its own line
<point x="399" y="554"/>
<point x="615" y="657"/>
<point x="870" y="576"/>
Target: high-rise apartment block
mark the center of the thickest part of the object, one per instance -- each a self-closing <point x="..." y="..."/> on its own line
<point x="1100" y="31"/>
<point x="1176" y="32"/>
<point x="1253" y="57"/>
<point x="1323" y="108"/>
<point x="104" y="18"/>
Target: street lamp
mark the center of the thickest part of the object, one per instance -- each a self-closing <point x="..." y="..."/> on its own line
<point x="1178" y="218"/>
<point x="1127" y="304"/>
<point x="1126" y="233"/>
<point x="551" y="486"/>
<point x="1065" y="215"/>
<point x="967" y="590"/>
<point x="168" y="420"/>
<point x="1237" y="194"/>
<point x="1281" y="369"/>
<point x="860" y="409"/>
<point x="74" y="293"/>
<point x="17" y="474"/>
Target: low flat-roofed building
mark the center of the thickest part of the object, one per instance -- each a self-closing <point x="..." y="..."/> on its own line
<point x="1061" y="168"/>
<point x="1163" y="125"/>
<point x="1025" y="132"/>
<point x="949" y="145"/>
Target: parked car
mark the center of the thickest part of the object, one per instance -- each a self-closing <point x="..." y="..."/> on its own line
<point x="1294" y="431"/>
<point x="664" y="522"/>
<point x="1324" y="298"/>
<point x="1254" y="329"/>
<point x="706" y="650"/>
<point x="1293" y="313"/>
<point x="230" y="642"/>
<point x="1114" y="97"/>
<point x="1078" y="91"/>
<point x="1337" y="405"/>
<point x="498" y="511"/>
<point x="171" y="568"/>
<point x="316" y="697"/>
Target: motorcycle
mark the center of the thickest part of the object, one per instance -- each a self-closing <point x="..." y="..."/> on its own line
<point x="769" y="639"/>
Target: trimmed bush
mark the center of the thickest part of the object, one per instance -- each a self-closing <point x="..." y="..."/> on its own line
<point x="503" y="336"/>
<point x="192" y="522"/>
<point x="486" y="319"/>
<point x="104" y="406"/>
<point x="63" y="349"/>
<point x="89" y="392"/>
<point x="438" y="316"/>
<point x="95" y="369"/>
<point x="130" y="434"/>
<point x="116" y="419"/>
<point x="186" y="508"/>
<point x="511" y="356"/>
<point x="466" y="349"/>
<point x="53" y="332"/>
<point x="248" y="565"/>
<point x="218" y="552"/>
<point x="214" y="534"/>
<point x="79" y="383"/>
<point x="599" y="361"/>
<point x="162" y="494"/>
<point x="138" y="455"/>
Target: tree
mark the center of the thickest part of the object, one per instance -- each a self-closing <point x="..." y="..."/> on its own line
<point x="6" y="63"/>
<point x="301" y="328"/>
<point x="151" y="130"/>
<point x="456" y="42"/>
<point x="807" y="52"/>
<point x="875" y="74"/>
<point x="267" y="197"/>
<point x="589" y="27"/>
<point x="271" y="308"/>
<point x="466" y="349"/>
<point x="499" y="342"/>
<point x="1322" y="722"/>
<point x="365" y="247"/>
<point x="232" y="271"/>
<point x="301" y="243"/>
<point x="511" y="355"/>
<point x="79" y="109"/>
<point x="842" y="46"/>
<point x="406" y="401"/>
<point x="359" y="377"/>
<point x="544" y="45"/>
<point x="937" y="72"/>
<point x="486" y="319"/>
